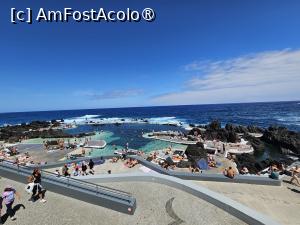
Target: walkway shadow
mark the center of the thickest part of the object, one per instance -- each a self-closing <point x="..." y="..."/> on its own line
<point x="294" y="190"/>
<point x="286" y="181"/>
<point x="15" y="209"/>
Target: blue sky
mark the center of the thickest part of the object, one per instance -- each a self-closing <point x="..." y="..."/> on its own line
<point x="195" y="52"/>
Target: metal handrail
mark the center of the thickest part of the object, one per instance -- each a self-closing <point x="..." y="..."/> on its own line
<point x="74" y="182"/>
<point x="68" y="161"/>
<point x="87" y="183"/>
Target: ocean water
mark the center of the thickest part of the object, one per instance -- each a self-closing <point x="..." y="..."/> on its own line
<point x="130" y="131"/>
<point x="260" y="114"/>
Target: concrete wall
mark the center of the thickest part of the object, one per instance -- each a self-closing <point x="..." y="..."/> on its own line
<point x="209" y="177"/>
<point x="258" y="180"/>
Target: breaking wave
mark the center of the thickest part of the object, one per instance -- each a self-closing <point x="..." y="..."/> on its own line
<point x="81" y="119"/>
<point x="95" y="119"/>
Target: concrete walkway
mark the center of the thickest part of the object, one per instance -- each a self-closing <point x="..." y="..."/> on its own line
<point x="280" y="203"/>
<point x="156" y="204"/>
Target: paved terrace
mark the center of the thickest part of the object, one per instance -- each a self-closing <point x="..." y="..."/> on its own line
<point x="157" y="204"/>
<point x="38" y="154"/>
<point x="280" y="203"/>
<point x="171" y="200"/>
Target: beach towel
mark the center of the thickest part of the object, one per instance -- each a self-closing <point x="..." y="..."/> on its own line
<point x="202" y="164"/>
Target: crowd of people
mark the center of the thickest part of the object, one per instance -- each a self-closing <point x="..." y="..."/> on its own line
<point x="37" y="191"/>
<point x="275" y="170"/>
<point x="131" y="163"/>
<point x="60" y="144"/>
<point x="77" y="169"/>
<point x="12" y="155"/>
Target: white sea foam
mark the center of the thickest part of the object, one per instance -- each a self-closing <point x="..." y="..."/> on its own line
<point x="90" y="116"/>
<point x="289" y="119"/>
<point x="95" y="119"/>
<point x="80" y="119"/>
<point x="164" y="120"/>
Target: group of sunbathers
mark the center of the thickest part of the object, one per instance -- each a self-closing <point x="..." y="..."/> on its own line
<point x="211" y="162"/>
<point x="131" y="163"/>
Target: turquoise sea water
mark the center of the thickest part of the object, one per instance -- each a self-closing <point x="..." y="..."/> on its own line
<point x="110" y="139"/>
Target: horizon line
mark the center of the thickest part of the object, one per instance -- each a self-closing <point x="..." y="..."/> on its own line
<point x="227" y="103"/>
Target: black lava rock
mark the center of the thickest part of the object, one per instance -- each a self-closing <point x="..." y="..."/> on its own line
<point x="283" y="138"/>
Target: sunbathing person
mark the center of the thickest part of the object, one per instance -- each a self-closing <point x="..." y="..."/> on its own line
<point x="168" y="151"/>
<point x="165" y="165"/>
<point x="229" y="172"/>
<point x="274" y="172"/>
<point x="295" y="174"/>
<point x="149" y="158"/>
<point x="177" y="158"/>
<point x="283" y="169"/>
<point x="173" y="167"/>
<point x="114" y="160"/>
<point x="155" y="155"/>
<point x="273" y="167"/>
<point x="244" y="170"/>
<point x="210" y="158"/>
<point x="133" y="163"/>
<point x="57" y="173"/>
<point x="212" y="164"/>
<point x="27" y="155"/>
<point x="76" y="172"/>
<point x="194" y="169"/>
<point x="128" y="162"/>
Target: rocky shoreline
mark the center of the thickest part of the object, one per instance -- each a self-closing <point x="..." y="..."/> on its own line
<point x="35" y="129"/>
<point x="287" y="141"/>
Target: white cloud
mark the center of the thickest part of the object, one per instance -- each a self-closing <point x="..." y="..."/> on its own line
<point x="266" y="76"/>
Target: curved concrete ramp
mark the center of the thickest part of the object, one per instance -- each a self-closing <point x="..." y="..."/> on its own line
<point x="82" y="190"/>
<point x="234" y="208"/>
